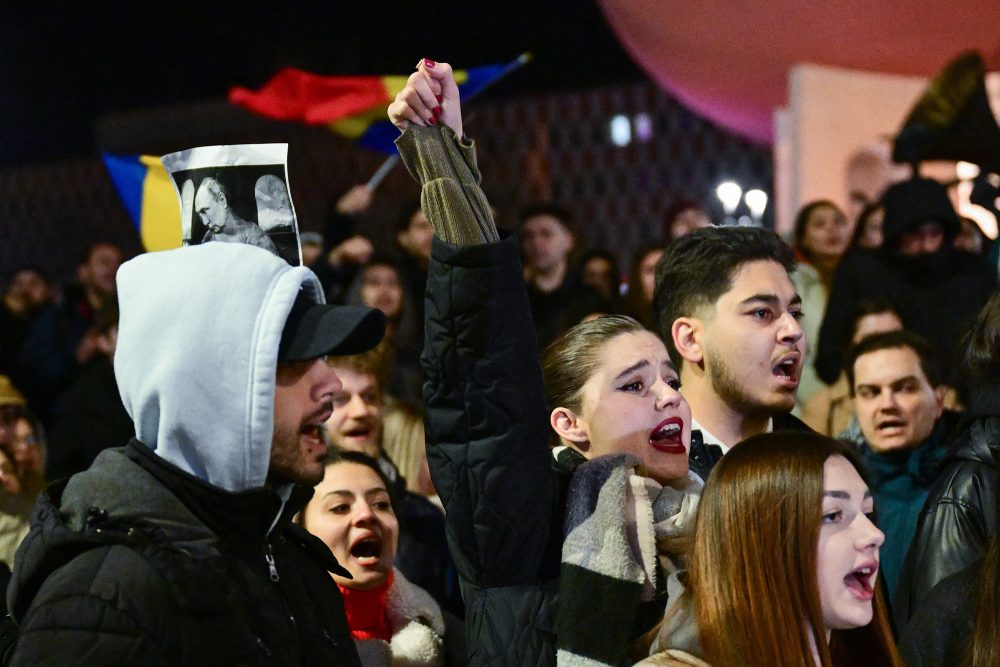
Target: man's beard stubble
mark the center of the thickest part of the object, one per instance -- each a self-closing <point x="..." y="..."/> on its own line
<point x="728" y="389"/>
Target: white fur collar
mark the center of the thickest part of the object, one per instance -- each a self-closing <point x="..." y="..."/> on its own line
<point x="417" y="627"/>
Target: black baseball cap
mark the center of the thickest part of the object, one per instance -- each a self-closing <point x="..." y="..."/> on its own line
<point x="316" y="329"/>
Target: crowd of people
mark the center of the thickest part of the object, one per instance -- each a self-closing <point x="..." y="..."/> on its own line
<point x="488" y="446"/>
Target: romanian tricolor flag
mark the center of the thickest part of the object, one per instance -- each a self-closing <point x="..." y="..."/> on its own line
<point x="150" y="199"/>
<point x="352" y="106"/>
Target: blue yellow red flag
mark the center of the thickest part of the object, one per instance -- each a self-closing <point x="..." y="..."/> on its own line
<point x="352" y="106"/>
<point x="149" y="197"/>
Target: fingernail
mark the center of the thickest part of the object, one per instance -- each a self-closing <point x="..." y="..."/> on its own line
<point x="432" y="120"/>
<point x="436" y="111"/>
<point x="438" y="98"/>
<point x="429" y="63"/>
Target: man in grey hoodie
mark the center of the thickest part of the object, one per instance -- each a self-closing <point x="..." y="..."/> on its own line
<point x="179" y="547"/>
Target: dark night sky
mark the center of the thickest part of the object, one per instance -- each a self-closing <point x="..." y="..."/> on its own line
<point x="62" y="68"/>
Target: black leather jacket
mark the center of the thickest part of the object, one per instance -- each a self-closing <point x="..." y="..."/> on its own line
<point x="960" y="514"/>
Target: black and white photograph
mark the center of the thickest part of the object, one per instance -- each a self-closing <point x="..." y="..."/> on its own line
<point x="236" y="194"/>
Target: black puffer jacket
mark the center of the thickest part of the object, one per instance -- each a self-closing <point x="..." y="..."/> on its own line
<point x="959" y="516"/>
<point x="487" y="445"/>
<point x="136" y="562"/>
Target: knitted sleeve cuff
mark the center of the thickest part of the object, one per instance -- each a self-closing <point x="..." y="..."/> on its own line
<point x="450" y="194"/>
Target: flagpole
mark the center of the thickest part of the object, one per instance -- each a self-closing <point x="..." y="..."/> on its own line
<point x="391" y="161"/>
<point x="382" y="172"/>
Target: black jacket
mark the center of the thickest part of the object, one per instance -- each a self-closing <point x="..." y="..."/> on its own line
<point x="938" y="634"/>
<point x="138" y="562"/>
<point x="959" y="516"/>
<point x="47" y="363"/>
<point x="86" y="420"/>
<point x="487" y="446"/>
<point x="937" y="297"/>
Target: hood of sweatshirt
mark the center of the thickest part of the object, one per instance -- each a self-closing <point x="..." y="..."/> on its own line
<point x="197" y="353"/>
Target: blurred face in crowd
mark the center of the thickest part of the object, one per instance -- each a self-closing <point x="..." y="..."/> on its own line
<point x="871" y="231"/>
<point x="10" y="481"/>
<point x="310" y="253"/>
<point x="687" y="221"/>
<point x="356" y="422"/>
<point x="847" y="555"/>
<point x="826" y="233"/>
<point x="895" y="402"/>
<point x="416" y="238"/>
<point x="598" y="274"/>
<point x="874" y="323"/>
<point x="926" y="239"/>
<point x="9" y="416"/>
<point x="647" y="273"/>
<point x="302" y="403"/>
<point x="382" y="288"/>
<point x="352" y="513"/>
<point x="749" y="343"/>
<point x="969" y="238"/>
<point x="27" y="450"/>
<point x="98" y="272"/>
<point x="28" y="291"/>
<point x="546" y="243"/>
<point x="211" y="207"/>
<point x="632" y="404"/>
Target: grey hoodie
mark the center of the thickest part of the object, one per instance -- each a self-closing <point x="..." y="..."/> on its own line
<point x="197" y="353"/>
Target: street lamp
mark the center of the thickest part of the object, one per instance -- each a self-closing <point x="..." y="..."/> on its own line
<point x="756" y="200"/>
<point x="729" y="193"/>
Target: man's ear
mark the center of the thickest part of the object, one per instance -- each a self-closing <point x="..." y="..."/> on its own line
<point x="570" y="428"/>
<point x="939" y="394"/>
<point x="685" y="332"/>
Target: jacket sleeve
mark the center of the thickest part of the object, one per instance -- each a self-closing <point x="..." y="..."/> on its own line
<point x="487" y="426"/>
<point x="70" y="624"/>
<point x="951" y="535"/>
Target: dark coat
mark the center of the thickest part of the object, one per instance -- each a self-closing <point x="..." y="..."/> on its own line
<point x="900" y="483"/>
<point x="487" y="446"/>
<point x="138" y="562"/>
<point x="959" y="516"/>
<point x="938" y="634"/>
<point x="937" y="297"/>
<point x="47" y="365"/>
<point x="86" y="420"/>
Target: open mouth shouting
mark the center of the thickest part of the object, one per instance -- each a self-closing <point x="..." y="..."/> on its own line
<point x="861" y="581"/>
<point x="891" y="426"/>
<point x="358" y="433"/>
<point x="367" y="550"/>
<point x="311" y="434"/>
<point x="788" y="369"/>
<point x="667" y="436"/>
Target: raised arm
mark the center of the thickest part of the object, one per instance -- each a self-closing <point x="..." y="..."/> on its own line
<point x="434" y="149"/>
<point x="487" y="426"/>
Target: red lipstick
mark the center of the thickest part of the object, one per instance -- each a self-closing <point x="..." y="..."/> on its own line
<point x="667" y="437"/>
